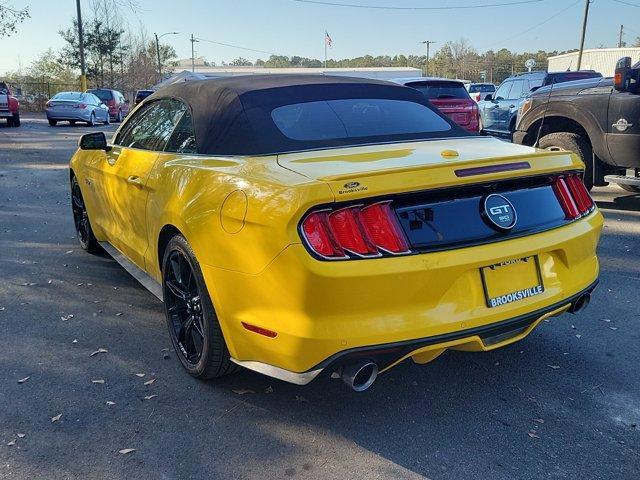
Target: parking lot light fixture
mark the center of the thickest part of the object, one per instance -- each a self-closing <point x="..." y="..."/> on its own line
<point x="158" y="37"/>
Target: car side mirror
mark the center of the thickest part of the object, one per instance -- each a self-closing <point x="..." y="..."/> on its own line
<point x="94" y="141"/>
<point x="489" y="97"/>
<point x="622" y="75"/>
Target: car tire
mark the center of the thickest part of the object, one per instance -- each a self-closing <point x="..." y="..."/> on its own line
<point x="193" y="326"/>
<point x="16" y="120"/>
<point x="92" y="120"/>
<point x="108" y="119"/>
<point x="84" y="232"/>
<point x="119" y="117"/>
<point x="572" y="142"/>
<point x="53" y="123"/>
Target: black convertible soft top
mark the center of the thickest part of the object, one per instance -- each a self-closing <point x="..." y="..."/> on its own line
<point x="232" y="116"/>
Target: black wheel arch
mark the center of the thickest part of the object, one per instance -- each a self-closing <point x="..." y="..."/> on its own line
<point x="167" y="232"/>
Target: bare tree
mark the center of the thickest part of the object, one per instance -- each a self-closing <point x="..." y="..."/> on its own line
<point x="11" y="17"/>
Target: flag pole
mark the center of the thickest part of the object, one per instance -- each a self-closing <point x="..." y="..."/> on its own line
<point x="325" y="49"/>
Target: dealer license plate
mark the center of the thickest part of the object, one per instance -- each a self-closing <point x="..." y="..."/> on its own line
<point x="511" y="281"/>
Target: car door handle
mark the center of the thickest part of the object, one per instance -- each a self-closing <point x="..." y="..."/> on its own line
<point x="134" y="180"/>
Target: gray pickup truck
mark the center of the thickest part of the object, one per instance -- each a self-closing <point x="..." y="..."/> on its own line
<point x="598" y="119"/>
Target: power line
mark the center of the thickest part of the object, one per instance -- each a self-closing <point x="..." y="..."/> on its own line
<point x="235" y="46"/>
<point x="381" y="7"/>
<point x="627" y="3"/>
<point x="533" y="27"/>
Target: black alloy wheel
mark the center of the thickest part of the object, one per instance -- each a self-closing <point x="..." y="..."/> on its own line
<point x="84" y="232"/>
<point x="184" y="307"/>
<point x="193" y="325"/>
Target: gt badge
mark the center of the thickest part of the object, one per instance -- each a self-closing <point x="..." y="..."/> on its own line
<point x="498" y="212"/>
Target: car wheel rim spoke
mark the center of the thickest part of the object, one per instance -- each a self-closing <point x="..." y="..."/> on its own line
<point x="183" y="303"/>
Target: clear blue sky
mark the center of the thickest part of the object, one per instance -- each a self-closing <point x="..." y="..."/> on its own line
<point x="293" y="28"/>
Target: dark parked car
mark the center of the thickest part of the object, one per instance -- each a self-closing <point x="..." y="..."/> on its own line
<point x="448" y="96"/>
<point x="141" y="95"/>
<point x="597" y="119"/>
<point x="498" y="112"/>
<point x="118" y="105"/>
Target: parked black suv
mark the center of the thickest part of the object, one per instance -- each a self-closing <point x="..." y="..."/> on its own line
<point x="498" y="112"/>
<point x="598" y="119"/>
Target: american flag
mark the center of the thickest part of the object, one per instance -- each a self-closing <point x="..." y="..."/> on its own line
<point x="327" y="39"/>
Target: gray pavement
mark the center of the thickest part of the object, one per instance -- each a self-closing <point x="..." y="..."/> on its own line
<point x="564" y="403"/>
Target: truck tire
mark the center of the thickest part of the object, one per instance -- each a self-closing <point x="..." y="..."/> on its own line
<point x="629" y="188"/>
<point x="16" y="120"/>
<point x="572" y="142"/>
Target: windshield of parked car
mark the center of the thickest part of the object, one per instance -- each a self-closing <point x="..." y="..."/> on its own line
<point x="75" y="96"/>
<point x="348" y="118"/>
<point x="440" y="90"/>
<point x="482" y="88"/>
<point x="104" y="95"/>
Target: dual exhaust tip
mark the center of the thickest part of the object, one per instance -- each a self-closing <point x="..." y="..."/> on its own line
<point x="580" y="303"/>
<point x="360" y="374"/>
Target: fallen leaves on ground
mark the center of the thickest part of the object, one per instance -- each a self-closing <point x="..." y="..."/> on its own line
<point x="109" y="402"/>
<point x="100" y="350"/>
<point x="21" y="435"/>
<point x="268" y="390"/>
<point x="140" y="375"/>
<point x="149" y="397"/>
<point x="64" y="318"/>
<point x="22" y="380"/>
<point x="532" y="435"/>
<point x="100" y="381"/>
<point x="56" y="418"/>
<point x="124" y="451"/>
<point x="11" y="443"/>
<point x="149" y="382"/>
<point x="555" y="367"/>
<point x="301" y="399"/>
<point x="242" y="391"/>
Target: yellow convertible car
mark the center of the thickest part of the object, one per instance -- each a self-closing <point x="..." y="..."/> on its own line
<point x="299" y="225"/>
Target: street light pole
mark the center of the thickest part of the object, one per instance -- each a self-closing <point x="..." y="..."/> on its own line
<point x="158" y="51"/>
<point x="584" y="31"/>
<point x="83" y="76"/>
<point x="427" y="43"/>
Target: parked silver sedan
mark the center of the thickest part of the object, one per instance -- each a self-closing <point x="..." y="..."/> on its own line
<point x="76" y="107"/>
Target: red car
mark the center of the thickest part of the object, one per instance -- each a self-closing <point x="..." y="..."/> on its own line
<point x="118" y="105"/>
<point x="9" y="106"/>
<point x="448" y="96"/>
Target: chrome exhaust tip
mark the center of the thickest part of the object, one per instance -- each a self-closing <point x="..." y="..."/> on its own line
<point x="580" y="304"/>
<point x="359" y="375"/>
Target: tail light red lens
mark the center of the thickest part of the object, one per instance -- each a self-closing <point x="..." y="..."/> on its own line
<point x="320" y="237"/>
<point x="356" y="231"/>
<point x="383" y="228"/>
<point x="80" y="105"/>
<point x="573" y="196"/>
<point x="350" y="233"/>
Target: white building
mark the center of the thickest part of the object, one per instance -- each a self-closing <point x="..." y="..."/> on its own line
<point x="203" y="72"/>
<point x="601" y="60"/>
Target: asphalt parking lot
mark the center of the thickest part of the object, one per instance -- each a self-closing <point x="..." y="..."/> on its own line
<point x="564" y="403"/>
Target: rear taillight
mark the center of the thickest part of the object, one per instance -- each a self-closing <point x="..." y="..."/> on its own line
<point x="80" y="105"/>
<point x="355" y="232"/>
<point x="573" y="196"/>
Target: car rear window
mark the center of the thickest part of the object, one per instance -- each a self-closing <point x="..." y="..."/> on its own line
<point x="482" y="88"/>
<point x="569" y="77"/>
<point x="103" y="95"/>
<point x="355" y="118"/>
<point x="440" y="90"/>
<point x="68" y="96"/>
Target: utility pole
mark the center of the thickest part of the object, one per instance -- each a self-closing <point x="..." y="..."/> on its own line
<point x="584" y="32"/>
<point x="159" y="62"/>
<point x="620" y="43"/>
<point x="83" y="75"/>
<point x="427" y="44"/>
<point x="193" y="58"/>
<point x="158" y="51"/>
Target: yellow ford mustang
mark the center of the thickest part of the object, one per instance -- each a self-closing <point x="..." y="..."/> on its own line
<point x="295" y="225"/>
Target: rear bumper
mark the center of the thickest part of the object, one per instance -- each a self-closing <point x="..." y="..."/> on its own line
<point x="324" y="311"/>
<point x="82" y="115"/>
